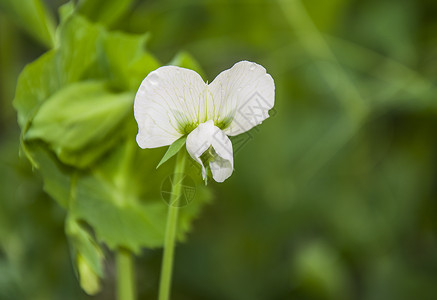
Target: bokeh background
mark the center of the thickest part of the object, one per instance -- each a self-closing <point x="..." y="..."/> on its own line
<point x="333" y="197"/>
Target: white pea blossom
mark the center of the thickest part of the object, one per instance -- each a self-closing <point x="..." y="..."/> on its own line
<point x="173" y="101"/>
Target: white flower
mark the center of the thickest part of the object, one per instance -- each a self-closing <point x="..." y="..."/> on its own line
<point x="172" y="102"/>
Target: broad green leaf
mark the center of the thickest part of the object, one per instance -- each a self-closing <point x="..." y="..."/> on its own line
<point x="35" y="84"/>
<point x="87" y="156"/>
<point x="117" y="220"/>
<point x="185" y="60"/>
<point x="57" y="177"/>
<point x="121" y="199"/>
<point x="33" y="17"/>
<point x="66" y="64"/>
<point x="173" y="150"/>
<point x="78" y="48"/>
<point x="80" y="115"/>
<point x="104" y="11"/>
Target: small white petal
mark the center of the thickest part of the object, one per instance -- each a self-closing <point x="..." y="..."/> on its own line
<point x="244" y="94"/>
<point x="168" y="98"/>
<point x="199" y="141"/>
<point x="221" y="169"/>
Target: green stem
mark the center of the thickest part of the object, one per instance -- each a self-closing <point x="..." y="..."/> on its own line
<point x="170" y="231"/>
<point x="125" y="275"/>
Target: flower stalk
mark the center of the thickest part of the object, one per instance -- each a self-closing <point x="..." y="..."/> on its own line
<point x="171" y="228"/>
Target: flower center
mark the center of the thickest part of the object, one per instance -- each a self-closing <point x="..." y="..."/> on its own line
<point x="225" y="122"/>
<point x="186" y="128"/>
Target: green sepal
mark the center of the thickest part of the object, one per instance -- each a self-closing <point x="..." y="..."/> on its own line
<point x="173" y="150"/>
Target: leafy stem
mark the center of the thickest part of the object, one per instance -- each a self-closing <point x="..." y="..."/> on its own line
<point x="170" y="231"/>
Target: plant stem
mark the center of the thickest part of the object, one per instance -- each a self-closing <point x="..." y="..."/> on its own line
<point x="170" y="230"/>
<point x="125" y="275"/>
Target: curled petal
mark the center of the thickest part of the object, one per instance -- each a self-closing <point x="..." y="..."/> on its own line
<point x="167" y="105"/>
<point x="208" y="137"/>
<point x="221" y="169"/>
<point x="242" y="97"/>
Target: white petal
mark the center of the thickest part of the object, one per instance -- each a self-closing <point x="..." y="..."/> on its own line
<point x="221" y="169"/>
<point x="198" y="141"/>
<point x="244" y="94"/>
<point x="223" y="165"/>
<point x="168" y="99"/>
<point x="204" y="136"/>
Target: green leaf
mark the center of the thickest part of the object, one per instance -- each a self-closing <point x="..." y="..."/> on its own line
<point x="121" y="199"/>
<point x="33" y="17"/>
<point x="104" y="11"/>
<point x="80" y="116"/>
<point x="56" y="68"/>
<point x="119" y="221"/>
<point x="35" y="84"/>
<point x="57" y="177"/>
<point x="173" y="150"/>
<point x="78" y="48"/>
<point x="114" y="199"/>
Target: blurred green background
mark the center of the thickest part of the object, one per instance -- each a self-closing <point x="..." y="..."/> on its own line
<point x="333" y="197"/>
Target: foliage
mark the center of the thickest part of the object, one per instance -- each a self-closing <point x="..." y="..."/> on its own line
<point x="74" y="107"/>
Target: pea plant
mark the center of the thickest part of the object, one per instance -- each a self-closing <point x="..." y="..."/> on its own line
<point x="77" y="105"/>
